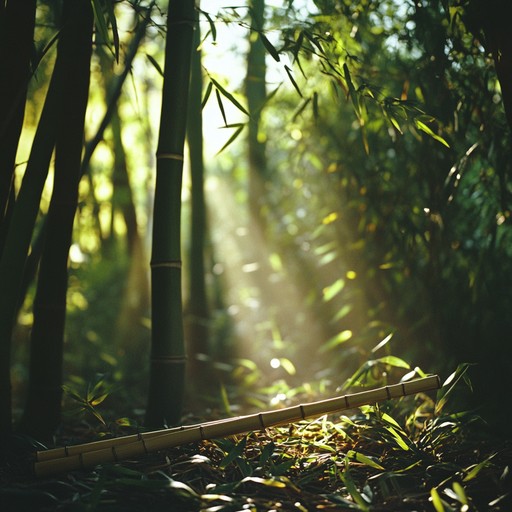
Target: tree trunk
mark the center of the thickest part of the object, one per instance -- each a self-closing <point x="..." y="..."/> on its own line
<point x="167" y="365"/>
<point x="42" y="413"/>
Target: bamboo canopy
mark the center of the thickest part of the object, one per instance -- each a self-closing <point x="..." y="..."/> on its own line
<point x="88" y="455"/>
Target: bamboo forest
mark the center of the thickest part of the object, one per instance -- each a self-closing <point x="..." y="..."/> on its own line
<point x="255" y="255"/>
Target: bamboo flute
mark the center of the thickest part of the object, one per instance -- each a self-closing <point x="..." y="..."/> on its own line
<point x="88" y="455"/>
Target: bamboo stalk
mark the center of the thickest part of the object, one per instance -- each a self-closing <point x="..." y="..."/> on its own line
<point x="88" y="455"/>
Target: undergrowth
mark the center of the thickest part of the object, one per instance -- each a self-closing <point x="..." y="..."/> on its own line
<point x="409" y="454"/>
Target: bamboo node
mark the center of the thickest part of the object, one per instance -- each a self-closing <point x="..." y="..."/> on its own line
<point x="169" y="156"/>
<point x="166" y="264"/>
<point x="169" y="359"/>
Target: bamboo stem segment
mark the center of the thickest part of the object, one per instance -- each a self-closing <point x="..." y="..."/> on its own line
<point x="88" y="455"/>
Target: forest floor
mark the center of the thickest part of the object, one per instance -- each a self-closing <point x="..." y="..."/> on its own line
<point x="399" y="456"/>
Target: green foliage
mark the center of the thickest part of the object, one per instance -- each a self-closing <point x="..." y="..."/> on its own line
<point x="90" y="398"/>
<point x="399" y="455"/>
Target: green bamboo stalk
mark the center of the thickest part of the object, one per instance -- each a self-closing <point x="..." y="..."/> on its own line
<point x="18" y="236"/>
<point x="197" y="311"/>
<point x="167" y="365"/>
<point x="256" y="93"/>
<point x="88" y="455"/>
<point x="43" y="408"/>
<point x="17" y="20"/>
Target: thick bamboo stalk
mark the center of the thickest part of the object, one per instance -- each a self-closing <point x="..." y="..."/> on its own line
<point x="167" y="364"/>
<point x="88" y="455"/>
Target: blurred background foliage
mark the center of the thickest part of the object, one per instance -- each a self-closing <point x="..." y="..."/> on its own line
<point x="384" y="209"/>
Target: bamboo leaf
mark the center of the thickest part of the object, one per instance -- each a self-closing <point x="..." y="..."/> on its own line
<point x="98" y="400"/>
<point x="436" y="500"/>
<point x="236" y="451"/>
<point x="398" y="438"/>
<point x="301" y="108"/>
<point x="232" y="138"/>
<point x="292" y="80"/>
<point x="329" y="292"/>
<point x="382" y="343"/>
<point x="363" y="459"/>
<point x="207" y="93"/>
<point x="473" y="471"/>
<point x="449" y="385"/>
<point x="221" y="107"/>
<point x="213" y="29"/>
<point x="423" y="127"/>
<point x="155" y="64"/>
<point x="333" y="342"/>
<point x="353" y="491"/>
<point x="101" y="24"/>
<point x="113" y="22"/>
<point x="394" y="361"/>
<point x="394" y="122"/>
<point x="283" y="467"/>
<point x="270" y="47"/>
<point x="229" y="96"/>
<point x="267" y="452"/>
<point x="351" y="90"/>
<point x="460" y="493"/>
<point x="268" y="482"/>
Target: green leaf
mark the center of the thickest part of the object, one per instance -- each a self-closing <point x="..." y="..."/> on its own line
<point x="352" y="90"/>
<point x="101" y="24"/>
<point x="436" y="500"/>
<point x="229" y="96"/>
<point x="387" y="418"/>
<point x="460" y="492"/>
<point x="363" y="459"/>
<point x="113" y="22"/>
<point x="235" y="452"/>
<point x="207" y="93"/>
<point x="233" y="137"/>
<point x="382" y="343"/>
<point x="394" y="361"/>
<point x="213" y="28"/>
<point x="449" y="385"/>
<point x="221" y="107"/>
<point x="340" y="338"/>
<point x="283" y="467"/>
<point x="473" y="470"/>
<point x="398" y="438"/>
<point x="98" y="399"/>
<point x="292" y="80"/>
<point x="267" y="452"/>
<point x="155" y="64"/>
<point x="353" y="491"/>
<point x="423" y="127"/>
<point x="270" y="48"/>
<point x="329" y="292"/>
<point x="268" y="482"/>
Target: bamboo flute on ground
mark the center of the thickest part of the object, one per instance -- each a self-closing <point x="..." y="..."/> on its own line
<point x="88" y="455"/>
